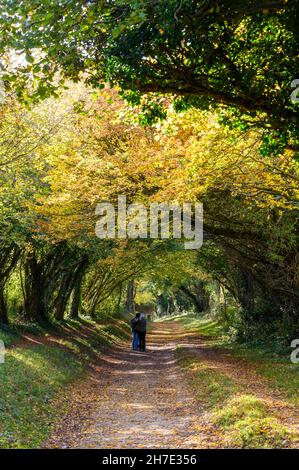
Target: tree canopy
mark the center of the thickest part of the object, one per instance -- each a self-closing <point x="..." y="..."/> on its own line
<point x="238" y="57"/>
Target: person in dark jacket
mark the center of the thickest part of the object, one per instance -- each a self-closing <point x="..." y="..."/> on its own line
<point x="135" y="338"/>
<point x="141" y="330"/>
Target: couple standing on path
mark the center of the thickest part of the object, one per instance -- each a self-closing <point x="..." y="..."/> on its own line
<point x="138" y="325"/>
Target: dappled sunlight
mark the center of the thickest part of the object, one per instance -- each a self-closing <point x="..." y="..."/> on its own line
<point x="144" y="402"/>
<point x="146" y="399"/>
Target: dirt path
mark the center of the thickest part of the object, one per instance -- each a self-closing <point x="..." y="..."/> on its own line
<point x="134" y="400"/>
<point x="143" y="400"/>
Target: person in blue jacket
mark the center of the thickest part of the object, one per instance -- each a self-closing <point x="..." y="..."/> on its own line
<point x="135" y="337"/>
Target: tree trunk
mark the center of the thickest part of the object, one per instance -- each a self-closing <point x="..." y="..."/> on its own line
<point x="3" y="307"/>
